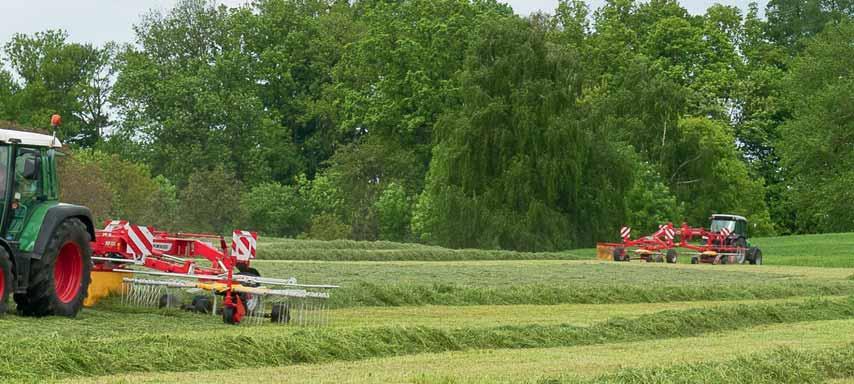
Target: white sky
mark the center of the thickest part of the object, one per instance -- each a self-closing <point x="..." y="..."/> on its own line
<point x="99" y="21"/>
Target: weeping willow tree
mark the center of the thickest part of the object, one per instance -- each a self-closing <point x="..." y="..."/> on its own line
<point x="519" y="164"/>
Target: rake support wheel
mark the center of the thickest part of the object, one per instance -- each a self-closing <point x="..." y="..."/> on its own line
<point x="60" y="278"/>
<point x="281" y="313"/>
<point x="671" y="256"/>
<point x="620" y="254"/>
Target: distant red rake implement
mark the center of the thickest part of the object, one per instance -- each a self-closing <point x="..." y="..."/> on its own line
<point x="200" y="263"/>
<point x="703" y="245"/>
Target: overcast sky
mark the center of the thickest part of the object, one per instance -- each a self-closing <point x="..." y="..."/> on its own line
<point x="99" y="21"/>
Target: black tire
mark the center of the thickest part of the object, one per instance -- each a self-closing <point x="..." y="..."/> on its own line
<point x="281" y="313"/>
<point x="228" y="314"/>
<point x="671" y="256"/>
<point x="68" y="250"/>
<point x="201" y="304"/>
<point x="6" y="279"/>
<point x="250" y="301"/>
<point x="169" y="301"/>
<point x="754" y="256"/>
<point x="742" y="244"/>
<point x="695" y="260"/>
<point x="620" y="254"/>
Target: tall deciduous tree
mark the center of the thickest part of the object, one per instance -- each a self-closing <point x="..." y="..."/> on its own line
<point x="817" y="143"/>
<point x="518" y="164"/>
<point x="59" y="77"/>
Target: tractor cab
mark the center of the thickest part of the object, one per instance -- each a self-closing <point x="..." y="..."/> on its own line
<point x="28" y="184"/>
<point x="734" y="224"/>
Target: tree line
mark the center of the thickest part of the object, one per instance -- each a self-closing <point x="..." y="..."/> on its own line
<point x="454" y="122"/>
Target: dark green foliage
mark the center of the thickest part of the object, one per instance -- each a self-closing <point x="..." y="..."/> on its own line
<point x="56" y="76"/>
<point x="211" y="201"/>
<point x="276" y="210"/>
<point x="817" y="143"/>
<point x="518" y="166"/>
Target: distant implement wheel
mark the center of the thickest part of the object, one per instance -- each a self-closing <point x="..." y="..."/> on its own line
<point x="281" y="313"/>
<point x="620" y="254"/>
<point x="59" y="280"/>
<point x="169" y="301"/>
<point x="695" y="260"/>
<point x="671" y="256"/>
<point x="201" y="304"/>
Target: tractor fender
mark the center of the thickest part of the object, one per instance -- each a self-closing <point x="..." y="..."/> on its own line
<point x="52" y="218"/>
<point x="56" y="215"/>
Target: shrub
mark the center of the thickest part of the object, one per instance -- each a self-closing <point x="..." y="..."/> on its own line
<point x="327" y="226"/>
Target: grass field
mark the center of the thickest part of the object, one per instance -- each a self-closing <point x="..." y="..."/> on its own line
<point x="472" y="318"/>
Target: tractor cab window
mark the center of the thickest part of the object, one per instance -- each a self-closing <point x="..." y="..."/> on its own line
<point x="4" y="159"/>
<point x="27" y="173"/>
<point x="719" y="224"/>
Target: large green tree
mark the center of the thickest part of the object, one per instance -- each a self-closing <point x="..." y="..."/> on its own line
<point x="55" y="76"/>
<point x="817" y="143"/>
<point x="519" y="163"/>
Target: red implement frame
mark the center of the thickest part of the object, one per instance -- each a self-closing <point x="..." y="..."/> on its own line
<point x="174" y="254"/>
<point x="711" y="248"/>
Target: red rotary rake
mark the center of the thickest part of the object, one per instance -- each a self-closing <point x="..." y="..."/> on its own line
<point x="200" y="263"/>
<point x="724" y="243"/>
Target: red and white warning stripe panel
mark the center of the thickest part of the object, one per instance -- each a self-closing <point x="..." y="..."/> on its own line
<point x="244" y="245"/>
<point x="669" y="233"/>
<point x="625" y="232"/>
<point x="141" y="241"/>
<point x="726" y="232"/>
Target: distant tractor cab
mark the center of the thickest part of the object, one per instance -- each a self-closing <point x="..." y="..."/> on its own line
<point x="734" y="224"/>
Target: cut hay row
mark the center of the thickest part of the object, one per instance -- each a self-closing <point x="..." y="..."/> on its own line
<point x="551" y="282"/>
<point x="784" y="366"/>
<point x="378" y="295"/>
<point x="41" y="357"/>
<point x="533" y="365"/>
<point x="273" y="251"/>
<point x="294" y="244"/>
<point x="825" y="250"/>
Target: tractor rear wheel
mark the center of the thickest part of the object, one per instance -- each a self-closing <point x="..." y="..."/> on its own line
<point x="60" y="279"/>
<point x="5" y="279"/>
<point x="754" y="256"/>
<point x="741" y="251"/>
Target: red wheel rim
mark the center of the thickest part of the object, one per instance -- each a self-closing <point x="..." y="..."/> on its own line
<point x="67" y="272"/>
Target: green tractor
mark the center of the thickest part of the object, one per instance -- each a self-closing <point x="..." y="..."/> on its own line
<point x="45" y="251"/>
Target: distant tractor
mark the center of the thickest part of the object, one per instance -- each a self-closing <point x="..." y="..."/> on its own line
<point x="735" y="232"/>
<point x="725" y="242"/>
